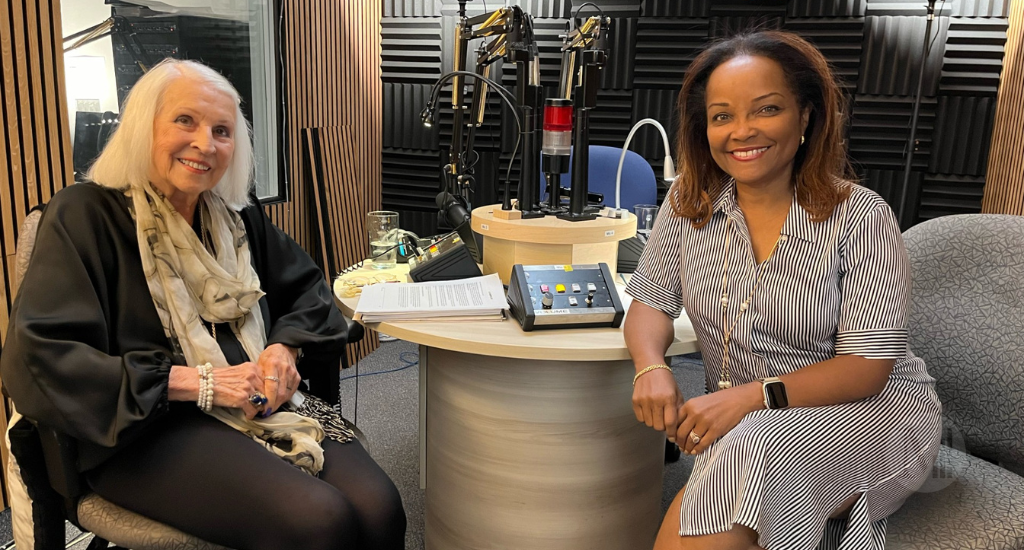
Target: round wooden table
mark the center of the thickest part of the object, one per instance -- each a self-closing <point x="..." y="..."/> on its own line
<point x="548" y="240"/>
<point x="528" y="440"/>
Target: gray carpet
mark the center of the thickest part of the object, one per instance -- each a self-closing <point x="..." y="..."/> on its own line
<point x="388" y="415"/>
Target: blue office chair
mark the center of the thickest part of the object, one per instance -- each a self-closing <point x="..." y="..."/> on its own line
<point x="638" y="182"/>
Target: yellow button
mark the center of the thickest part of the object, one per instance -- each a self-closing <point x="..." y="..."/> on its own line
<point x="559" y="288"/>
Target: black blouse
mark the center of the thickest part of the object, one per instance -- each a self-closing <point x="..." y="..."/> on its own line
<point x="85" y="351"/>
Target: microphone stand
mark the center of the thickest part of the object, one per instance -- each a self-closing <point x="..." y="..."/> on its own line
<point x="529" y="94"/>
<point x="585" y="99"/>
<point x="912" y="142"/>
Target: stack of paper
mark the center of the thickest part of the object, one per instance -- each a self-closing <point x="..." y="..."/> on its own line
<point x="476" y="298"/>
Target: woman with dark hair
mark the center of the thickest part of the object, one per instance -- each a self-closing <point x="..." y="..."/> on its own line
<point x="818" y="420"/>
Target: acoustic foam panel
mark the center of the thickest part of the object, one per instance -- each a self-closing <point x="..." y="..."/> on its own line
<point x="411" y="49"/>
<point x="412" y="8"/>
<point x="675" y="8"/>
<point x="973" y="57"/>
<point x="611" y="8"/>
<point x="840" y="39"/>
<point x="403" y="128"/>
<point x="893" y="54"/>
<point x="963" y="127"/>
<point x="620" y="42"/>
<point x="665" y="48"/>
<point x="907" y="7"/>
<point x="411" y="178"/>
<point x="947" y="194"/>
<point x="981" y="8"/>
<point x="729" y="25"/>
<point x="827" y="8"/>
<point x="881" y="127"/>
<point x="889" y="185"/>
<point x="659" y="104"/>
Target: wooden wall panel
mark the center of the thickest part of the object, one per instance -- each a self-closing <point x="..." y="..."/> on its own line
<point x="332" y="66"/>
<point x="341" y="206"/>
<point x="1004" y="187"/>
<point x="33" y="130"/>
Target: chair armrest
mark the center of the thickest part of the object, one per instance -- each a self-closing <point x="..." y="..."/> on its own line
<point x="355" y="331"/>
<point x="324" y="380"/>
<point x="60" y="452"/>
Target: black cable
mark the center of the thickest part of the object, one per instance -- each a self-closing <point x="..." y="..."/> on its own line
<point x="502" y="91"/>
<point x="581" y="6"/>
<point x="360" y="263"/>
<point x="428" y="112"/>
<point x="407" y="364"/>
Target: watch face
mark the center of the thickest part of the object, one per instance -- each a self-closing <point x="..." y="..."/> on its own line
<point x="776" y="395"/>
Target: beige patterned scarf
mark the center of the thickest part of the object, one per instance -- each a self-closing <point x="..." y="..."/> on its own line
<point x="188" y="283"/>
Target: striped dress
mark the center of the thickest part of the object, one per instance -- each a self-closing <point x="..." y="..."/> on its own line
<point x="831" y="288"/>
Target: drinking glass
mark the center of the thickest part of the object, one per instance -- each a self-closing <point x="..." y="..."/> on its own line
<point x="645" y="216"/>
<point x="382" y="228"/>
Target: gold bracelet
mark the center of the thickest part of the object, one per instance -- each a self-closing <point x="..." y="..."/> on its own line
<point x="649" y="369"/>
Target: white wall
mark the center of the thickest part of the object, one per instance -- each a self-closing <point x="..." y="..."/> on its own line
<point x="88" y="70"/>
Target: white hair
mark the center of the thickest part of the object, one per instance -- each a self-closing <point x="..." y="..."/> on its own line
<point x="126" y="159"/>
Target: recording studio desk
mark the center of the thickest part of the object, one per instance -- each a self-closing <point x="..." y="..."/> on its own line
<point x="528" y="440"/>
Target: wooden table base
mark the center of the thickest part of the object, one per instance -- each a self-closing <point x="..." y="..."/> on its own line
<point x="535" y="455"/>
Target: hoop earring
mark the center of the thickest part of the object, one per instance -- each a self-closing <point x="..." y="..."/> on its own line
<point x="802" y="140"/>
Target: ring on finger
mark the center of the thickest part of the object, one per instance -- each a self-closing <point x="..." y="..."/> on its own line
<point x="272" y="378"/>
<point x="257" y="399"/>
<point x="694" y="437"/>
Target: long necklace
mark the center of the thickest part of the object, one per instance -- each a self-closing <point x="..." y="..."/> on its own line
<point x="206" y="245"/>
<point x="725" y="382"/>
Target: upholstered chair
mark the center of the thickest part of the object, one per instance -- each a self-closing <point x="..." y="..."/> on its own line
<point x="967" y="323"/>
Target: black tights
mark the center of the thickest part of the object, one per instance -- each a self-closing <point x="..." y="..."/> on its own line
<point x="197" y="474"/>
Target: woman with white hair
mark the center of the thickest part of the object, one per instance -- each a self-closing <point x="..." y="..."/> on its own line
<point x="160" y="324"/>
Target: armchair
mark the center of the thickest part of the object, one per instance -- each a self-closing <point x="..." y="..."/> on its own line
<point x="639" y="184"/>
<point x="967" y="321"/>
<point x="44" y="497"/>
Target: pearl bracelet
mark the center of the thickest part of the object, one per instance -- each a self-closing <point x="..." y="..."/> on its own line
<point x="205" y="399"/>
<point x="649" y="369"/>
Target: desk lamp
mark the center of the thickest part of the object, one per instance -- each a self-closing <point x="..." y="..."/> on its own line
<point x="669" y="171"/>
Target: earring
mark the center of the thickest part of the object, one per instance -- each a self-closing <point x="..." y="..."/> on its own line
<point x="802" y="140"/>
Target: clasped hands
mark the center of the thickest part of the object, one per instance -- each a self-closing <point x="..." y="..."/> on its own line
<point x="658" y="404"/>
<point x="274" y="374"/>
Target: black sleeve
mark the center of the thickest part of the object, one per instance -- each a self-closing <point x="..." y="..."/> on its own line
<point x="68" y="361"/>
<point x="302" y="310"/>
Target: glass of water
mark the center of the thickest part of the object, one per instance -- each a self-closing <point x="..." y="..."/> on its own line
<point x="645" y="216"/>
<point x="382" y="228"/>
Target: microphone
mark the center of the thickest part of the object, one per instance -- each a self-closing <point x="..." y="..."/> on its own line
<point x="454" y="211"/>
<point x="453" y="208"/>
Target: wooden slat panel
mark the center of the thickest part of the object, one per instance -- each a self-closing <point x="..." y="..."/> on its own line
<point x="22" y="135"/>
<point x="332" y="52"/>
<point x="34" y="133"/>
<point x="36" y="161"/>
<point x="339" y="194"/>
<point x="1004" y="187"/>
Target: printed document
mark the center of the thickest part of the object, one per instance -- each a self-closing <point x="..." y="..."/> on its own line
<point x="474" y="297"/>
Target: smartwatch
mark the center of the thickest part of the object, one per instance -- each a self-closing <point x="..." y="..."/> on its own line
<point x="774" y="393"/>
